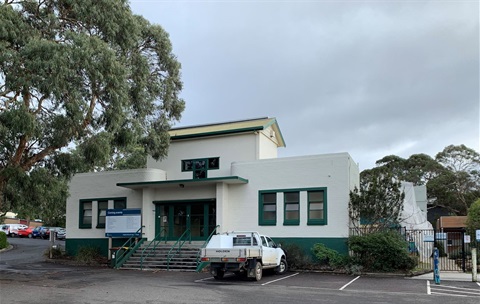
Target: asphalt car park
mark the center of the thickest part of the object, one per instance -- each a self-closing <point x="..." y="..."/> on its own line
<point x="25" y="276"/>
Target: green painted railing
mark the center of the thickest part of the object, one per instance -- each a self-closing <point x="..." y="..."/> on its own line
<point x="187" y="235"/>
<point x="127" y="249"/>
<point x="156" y="241"/>
<point x="201" y="265"/>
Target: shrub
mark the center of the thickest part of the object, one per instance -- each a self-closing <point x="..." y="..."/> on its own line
<point x="381" y="251"/>
<point x="88" y="254"/>
<point x="3" y="240"/>
<point x="296" y="257"/>
<point x="330" y="257"/>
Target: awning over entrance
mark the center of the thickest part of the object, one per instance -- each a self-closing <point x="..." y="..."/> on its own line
<point x="180" y="182"/>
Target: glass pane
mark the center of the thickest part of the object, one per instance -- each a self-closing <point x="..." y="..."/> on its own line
<point x="187" y="165"/>
<point x="316" y="215"/>
<point x="101" y="220"/>
<point x="87" y="220"/>
<point x="87" y="212"/>
<point x="102" y="213"/>
<point x="269" y="207"/>
<point x="315" y="196"/>
<point x="316" y="206"/>
<point x="120" y="204"/>
<point x="292" y="196"/>
<point x="197" y="220"/>
<point x="199" y="164"/>
<point x="213" y="163"/>
<point x="103" y="205"/>
<point x="87" y="205"/>
<point x="291" y="215"/>
<point x="201" y="174"/>
<point x="291" y="207"/>
<point x="269" y="215"/>
<point x="269" y="197"/>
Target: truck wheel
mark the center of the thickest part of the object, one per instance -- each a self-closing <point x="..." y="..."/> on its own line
<point x="220" y="274"/>
<point x="258" y="271"/>
<point x="282" y="268"/>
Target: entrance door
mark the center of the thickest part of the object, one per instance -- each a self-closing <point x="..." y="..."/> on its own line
<point x="173" y="219"/>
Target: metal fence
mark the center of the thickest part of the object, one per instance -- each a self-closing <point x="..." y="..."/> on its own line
<point x="454" y="248"/>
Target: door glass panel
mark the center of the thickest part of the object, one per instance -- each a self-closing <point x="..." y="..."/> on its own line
<point x="197" y="220"/>
<point x="212" y="218"/>
<point x="179" y="220"/>
<point x="163" y="218"/>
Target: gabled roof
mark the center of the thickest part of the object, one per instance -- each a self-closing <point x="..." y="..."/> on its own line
<point x="233" y="127"/>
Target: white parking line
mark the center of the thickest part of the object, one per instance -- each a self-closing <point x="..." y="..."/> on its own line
<point x="292" y="275"/>
<point x="429" y="291"/>
<point x="349" y="283"/>
<point x="206" y="279"/>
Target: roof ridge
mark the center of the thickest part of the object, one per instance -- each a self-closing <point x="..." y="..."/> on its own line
<point x="220" y="123"/>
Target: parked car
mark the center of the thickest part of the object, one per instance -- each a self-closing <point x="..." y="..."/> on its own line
<point x="45" y="232"/>
<point x="12" y="229"/>
<point x="61" y="234"/>
<point x="26" y="232"/>
<point x="36" y="232"/>
<point x="4" y="228"/>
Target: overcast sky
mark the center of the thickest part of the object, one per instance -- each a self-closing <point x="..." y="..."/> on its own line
<point x="372" y="78"/>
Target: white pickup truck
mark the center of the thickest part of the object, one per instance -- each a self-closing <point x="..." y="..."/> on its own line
<point x="243" y="253"/>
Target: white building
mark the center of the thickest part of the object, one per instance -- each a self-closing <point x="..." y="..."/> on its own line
<point x="225" y="174"/>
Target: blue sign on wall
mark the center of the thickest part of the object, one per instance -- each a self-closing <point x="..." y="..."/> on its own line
<point x="123" y="223"/>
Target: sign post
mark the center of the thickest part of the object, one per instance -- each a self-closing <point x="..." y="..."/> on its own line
<point x="436" y="270"/>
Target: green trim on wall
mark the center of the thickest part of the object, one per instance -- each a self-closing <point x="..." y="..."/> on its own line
<point x="306" y="244"/>
<point x="73" y="245"/>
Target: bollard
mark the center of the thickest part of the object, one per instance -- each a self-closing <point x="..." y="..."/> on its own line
<point x="436" y="270"/>
<point x="474" y="264"/>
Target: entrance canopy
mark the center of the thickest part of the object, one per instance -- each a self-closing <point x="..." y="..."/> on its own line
<point x="183" y="182"/>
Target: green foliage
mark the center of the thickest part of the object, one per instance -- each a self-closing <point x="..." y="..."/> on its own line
<point x="88" y="255"/>
<point x="382" y="252"/>
<point x="452" y="178"/>
<point x="378" y="202"/>
<point x="86" y="74"/>
<point x="296" y="257"/>
<point x="473" y="220"/>
<point x="3" y="240"/>
<point x="330" y="257"/>
<point x="55" y="253"/>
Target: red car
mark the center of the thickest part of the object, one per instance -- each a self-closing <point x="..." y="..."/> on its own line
<point x="26" y="232"/>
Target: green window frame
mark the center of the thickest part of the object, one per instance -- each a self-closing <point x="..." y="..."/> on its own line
<point x="85" y="219"/>
<point x="200" y="166"/>
<point x="102" y="207"/>
<point x="291" y="208"/>
<point x="317" y="207"/>
<point x="267" y="208"/>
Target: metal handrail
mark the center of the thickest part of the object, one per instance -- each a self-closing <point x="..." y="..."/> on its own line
<point x="157" y="240"/>
<point x="200" y="266"/>
<point x="127" y="249"/>
<point x="180" y="243"/>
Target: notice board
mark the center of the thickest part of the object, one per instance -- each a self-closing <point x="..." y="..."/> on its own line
<point x="123" y="223"/>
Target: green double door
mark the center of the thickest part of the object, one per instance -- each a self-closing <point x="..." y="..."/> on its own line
<point x="174" y="218"/>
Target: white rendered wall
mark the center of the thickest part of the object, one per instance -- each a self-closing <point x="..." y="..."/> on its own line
<point x="333" y="171"/>
<point x="241" y="147"/>
<point x="103" y="185"/>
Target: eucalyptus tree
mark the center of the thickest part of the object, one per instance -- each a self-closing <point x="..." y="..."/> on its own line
<point x="82" y="83"/>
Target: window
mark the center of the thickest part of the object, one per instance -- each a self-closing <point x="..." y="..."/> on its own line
<point x="291" y="208"/>
<point x="102" y="213"/>
<point x="268" y="208"/>
<point x="200" y="167"/>
<point x="317" y="208"/>
<point x="120" y="204"/>
<point x="85" y="221"/>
